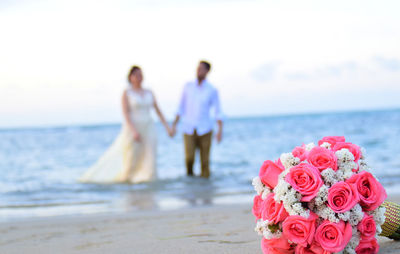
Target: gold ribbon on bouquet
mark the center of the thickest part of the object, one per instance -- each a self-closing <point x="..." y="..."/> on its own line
<point x="391" y="227"/>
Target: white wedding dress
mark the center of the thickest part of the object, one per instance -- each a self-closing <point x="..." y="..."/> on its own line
<point x="126" y="160"/>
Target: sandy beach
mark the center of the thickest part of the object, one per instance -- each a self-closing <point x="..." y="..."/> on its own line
<point x="219" y="229"/>
<point x="215" y="229"/>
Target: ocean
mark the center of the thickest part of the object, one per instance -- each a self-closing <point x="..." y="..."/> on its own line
<point x="39" y="166"/>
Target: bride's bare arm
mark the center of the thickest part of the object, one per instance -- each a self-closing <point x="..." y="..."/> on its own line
<point x="125" y="111"/>
<point x="161" y="116"/>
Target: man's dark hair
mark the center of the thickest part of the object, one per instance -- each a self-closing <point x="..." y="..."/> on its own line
<point x="206" y="64"/>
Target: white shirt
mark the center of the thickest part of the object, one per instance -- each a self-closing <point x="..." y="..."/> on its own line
<point x="195" y="107"/>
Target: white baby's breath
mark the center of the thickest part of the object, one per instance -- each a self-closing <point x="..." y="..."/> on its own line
<point x="364" y="165"/>
<point x="283" y="174"/>
<point x="329" y="176"/>
<point x="379" y="215"/>
<point x="344" y="216"/>
<point x="263" y="229"/>
<point x="327" y="213"/>
<point x="260" y="227"/>
<point x="310" y="146"/>
<point x="339" y="175"/>
<point x="305" y="213"/>
<point x="348" y="250"/>
<point x="269" y="235"/>
<point x="344" y="155"/>
<point x="346" y="164"/>
<point x="280" y="189"/>
<point x="356" y="215"/>
<point x="326" y="145"/>
<point x="291" y="197"/>
<point x="288" y="160"/>
<point x="349" y="172"/>
<point x="322" y="195"/>
<point x="258" y="185"/>
<point x="355" y="239"/>
<point x="298" y="209"/>
<point x="265" y="193"/>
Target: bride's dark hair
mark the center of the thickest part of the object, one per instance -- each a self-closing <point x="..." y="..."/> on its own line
<point x="133" y="69"/>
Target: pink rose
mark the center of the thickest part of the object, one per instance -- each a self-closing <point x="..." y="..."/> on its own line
<point x="276" y="246"/>
<point x="354" y="149"/>
<point x="355" y="170"/>
<point x="300" y="152"/>
<point x="272" y="210"/>
<point x="257" y="201"/>
<point x="331" y="140"/>
<point x="299" y="229"/>
<point x="279" y="163"/>
<point x="314" y="248"/>
<point x="370" y="246"/>
<point x="367" y="227"/>
<point x="332" y="236"/>
<point x="342" y="197"/>
<point x="322" y="158"/>
<point x="371" y="192"/>
<point x="306" y="179"/>
<point x="269" y="173"/>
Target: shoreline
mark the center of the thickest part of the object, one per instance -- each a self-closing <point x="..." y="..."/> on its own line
<point x="200" y="229"/>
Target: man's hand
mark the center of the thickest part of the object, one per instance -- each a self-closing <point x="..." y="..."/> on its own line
<point x="219" y="133"/>
<point x="219" y="136"/>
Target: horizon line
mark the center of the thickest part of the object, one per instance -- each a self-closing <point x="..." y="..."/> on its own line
<point x="236" y="117"/>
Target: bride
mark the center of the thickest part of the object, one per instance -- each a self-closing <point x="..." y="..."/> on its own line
<point x="132" y="156"/>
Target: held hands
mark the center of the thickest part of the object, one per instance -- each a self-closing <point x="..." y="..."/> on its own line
<point x="169" y="132"/>
<point x="172" y="131"/>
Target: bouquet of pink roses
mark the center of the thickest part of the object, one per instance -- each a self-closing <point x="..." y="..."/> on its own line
<point x="319" y="199"/>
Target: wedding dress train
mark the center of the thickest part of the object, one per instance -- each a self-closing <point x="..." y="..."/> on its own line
<point x="127" y="160"/>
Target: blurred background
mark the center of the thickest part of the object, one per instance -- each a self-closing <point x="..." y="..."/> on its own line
<point x="288" y="73"/>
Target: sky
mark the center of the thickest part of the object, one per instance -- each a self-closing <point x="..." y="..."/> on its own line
<point x="65" y="62"/>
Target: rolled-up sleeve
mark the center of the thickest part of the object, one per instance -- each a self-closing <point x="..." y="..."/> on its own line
<point x="217" y="106"/>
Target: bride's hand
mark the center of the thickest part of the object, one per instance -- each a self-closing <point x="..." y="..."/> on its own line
<point x="136" y="136"/>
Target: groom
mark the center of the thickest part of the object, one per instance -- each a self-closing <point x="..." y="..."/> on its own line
<point x="198" y="98"/>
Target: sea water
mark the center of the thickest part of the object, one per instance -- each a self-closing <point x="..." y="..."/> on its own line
<point x="39" y="166"/>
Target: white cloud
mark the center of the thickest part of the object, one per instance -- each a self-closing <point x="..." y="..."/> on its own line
<point x="63" y="61"/>
<point x="265" y="72"/>
<point x="391" y="64"/>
